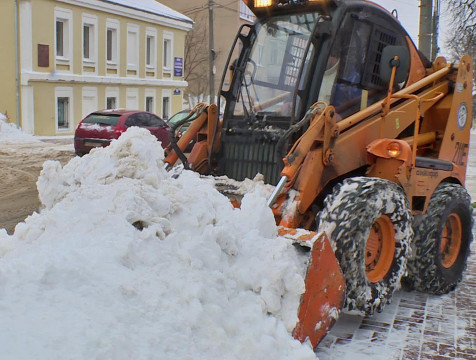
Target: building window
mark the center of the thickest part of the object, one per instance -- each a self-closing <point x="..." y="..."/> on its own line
<point x="167" y="52"/>
<point x="149" y="104"/>
<point x="166" y="104"/>
<point x="165" y="108"/>
<point x="111" y="102"/>
<point x="64" y="108"/>
<point x="89" y="39"/>
<point x="151" y="51"/>
<point x="112" y="44"/>
<point x="132" y="49"/>
<point x="64" y="38"/>
<point x="63" y="113"/>
<point x="86" y="41"/>
<point x="112" y="98"/>
<point x="59" y="38"/>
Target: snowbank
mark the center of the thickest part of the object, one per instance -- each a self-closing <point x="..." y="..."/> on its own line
<point x="125" y="262"/>
<point x="11" y="133"/>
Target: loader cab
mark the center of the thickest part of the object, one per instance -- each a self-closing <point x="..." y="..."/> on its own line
<point x="295" y="54"/>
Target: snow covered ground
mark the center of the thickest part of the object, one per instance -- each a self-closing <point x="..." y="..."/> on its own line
<point x="124" y="261"/>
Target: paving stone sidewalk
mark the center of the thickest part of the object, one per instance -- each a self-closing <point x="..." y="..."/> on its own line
<point x="415" y="326"/>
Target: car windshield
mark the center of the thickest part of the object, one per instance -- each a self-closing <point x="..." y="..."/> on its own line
<point x="180" y="116"/>
<point x="272" y="71"/>
<point x="102" y="119"/>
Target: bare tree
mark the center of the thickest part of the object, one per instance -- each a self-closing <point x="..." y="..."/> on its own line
<point x="196" y="64"/>
<point x="462" y="38"/>
<point x="464" y="13"/>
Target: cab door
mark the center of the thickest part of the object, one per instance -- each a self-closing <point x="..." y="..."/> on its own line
<point x="351" y="80"/>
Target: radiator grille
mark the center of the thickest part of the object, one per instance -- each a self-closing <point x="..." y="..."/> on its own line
<point x="244" y="157"/>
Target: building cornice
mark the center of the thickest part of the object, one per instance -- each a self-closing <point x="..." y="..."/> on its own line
<point x="70" y="79"/>
<point x="132" y="13"/>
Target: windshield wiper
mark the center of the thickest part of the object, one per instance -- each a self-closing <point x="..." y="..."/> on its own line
<point x="250" y="114"/>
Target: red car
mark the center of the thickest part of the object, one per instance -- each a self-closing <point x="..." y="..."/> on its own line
<point x="101" y="127"/>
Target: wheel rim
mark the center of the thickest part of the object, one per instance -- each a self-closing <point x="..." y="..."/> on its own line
<point x="380" y="249"/>
<point x="451" y="238"/>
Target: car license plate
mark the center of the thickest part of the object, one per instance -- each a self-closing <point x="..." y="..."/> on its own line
<point x="93" y="144"/>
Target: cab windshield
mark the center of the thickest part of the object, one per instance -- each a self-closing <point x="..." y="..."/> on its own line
<point x="272" y="70"/>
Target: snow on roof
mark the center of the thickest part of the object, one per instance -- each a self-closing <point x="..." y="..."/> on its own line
<point x="153" y="7"/>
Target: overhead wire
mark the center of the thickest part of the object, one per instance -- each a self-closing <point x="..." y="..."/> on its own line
<point x="204" y="6"/>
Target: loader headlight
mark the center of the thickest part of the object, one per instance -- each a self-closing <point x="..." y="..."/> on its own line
<point x="269" y="3"/>
<point x="394" y="149"/>
<point x="263" y="3"/>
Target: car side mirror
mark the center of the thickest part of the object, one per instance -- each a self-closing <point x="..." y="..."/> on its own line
<point x="387" y="63"/>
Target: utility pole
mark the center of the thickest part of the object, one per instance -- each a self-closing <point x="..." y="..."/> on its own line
<point x="436" y="26"/>
<point x="429" y="23"/>
<point x="211" y="52"/>
<point x="426" y="25"/>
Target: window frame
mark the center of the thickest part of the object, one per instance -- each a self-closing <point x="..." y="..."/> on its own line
<point x="150" y="93"/>
<point x="62" y="93"/>
<point x="167" y="56"/>
<point x="60" y="41"/>
<point x="114" y="62"/>
<point x="64" y="16"/>
<point x="87" y="37"/>
<point x="151" y="64"/>
<point x="90" y="21"/>
<point x="112" y="92"/>
<point x="114" y="99"/>
<point x="149" y="99"/>
<point x="168" y="115"/>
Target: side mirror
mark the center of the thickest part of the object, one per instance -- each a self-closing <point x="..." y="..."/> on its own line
<point x="387" y="63"/>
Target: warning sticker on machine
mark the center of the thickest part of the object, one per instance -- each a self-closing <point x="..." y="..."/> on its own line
<point x="462" y="116"/>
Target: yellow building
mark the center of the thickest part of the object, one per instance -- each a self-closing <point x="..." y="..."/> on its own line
<point x="63" y="59"/>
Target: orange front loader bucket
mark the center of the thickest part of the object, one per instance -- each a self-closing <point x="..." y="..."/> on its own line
<point x="324" y="295"/>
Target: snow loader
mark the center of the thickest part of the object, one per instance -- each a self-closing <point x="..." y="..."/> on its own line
<point x="366" y="141"/>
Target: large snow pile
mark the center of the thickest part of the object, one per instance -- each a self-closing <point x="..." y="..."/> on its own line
<point x="11" y="133"/>
<point x="126" y="262"/>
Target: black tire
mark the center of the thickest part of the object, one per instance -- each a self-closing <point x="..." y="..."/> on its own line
<point x="429" y="270"/>
<point x="349" y="215"/>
